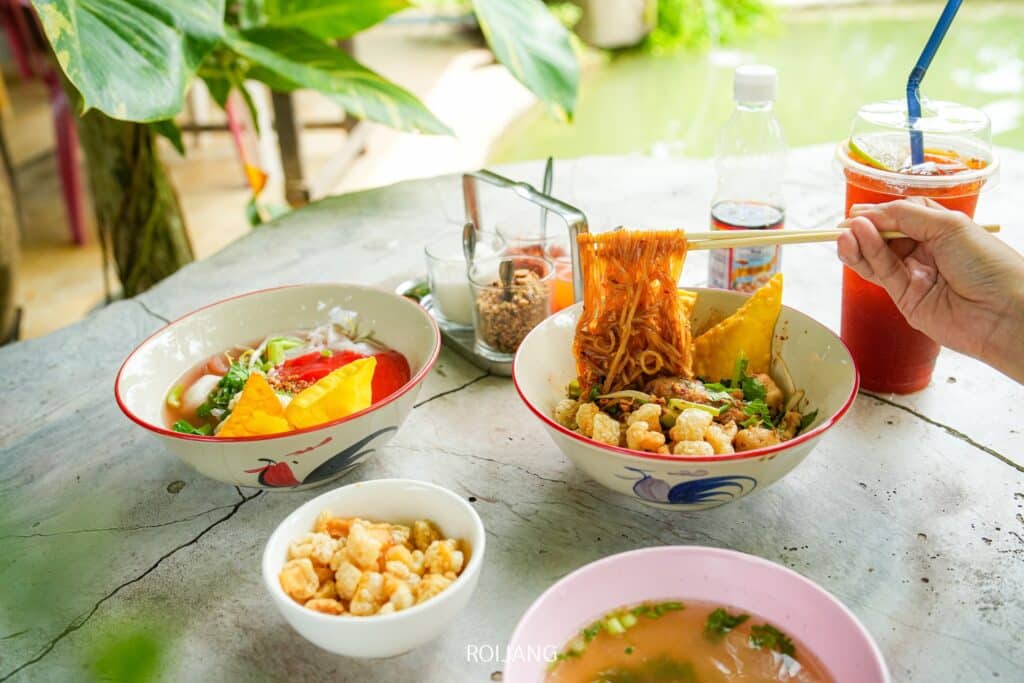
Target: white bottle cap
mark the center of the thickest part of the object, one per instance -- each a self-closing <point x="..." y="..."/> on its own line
<point x="755" y="83"/>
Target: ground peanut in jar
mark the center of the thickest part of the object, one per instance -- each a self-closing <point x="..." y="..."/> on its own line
<point x="504" y="318"/>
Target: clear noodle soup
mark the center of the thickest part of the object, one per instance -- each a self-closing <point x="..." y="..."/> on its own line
<point x="284" y="374"/>
<point x="691" y="642"/>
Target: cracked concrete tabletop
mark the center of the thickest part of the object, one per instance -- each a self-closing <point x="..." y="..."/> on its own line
<point x="911" y="511"/>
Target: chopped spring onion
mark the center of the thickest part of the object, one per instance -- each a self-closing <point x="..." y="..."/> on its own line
<point x="573" y="389"/>
<point x="174" y="396"/>
<point x="679" y="405"/>
<point x="277" y="346"/>
<point x="628" y="393"/>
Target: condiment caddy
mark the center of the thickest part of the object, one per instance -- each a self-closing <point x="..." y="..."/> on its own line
<point x="509" y="306"/>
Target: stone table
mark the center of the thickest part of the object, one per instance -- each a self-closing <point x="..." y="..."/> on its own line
<point x="911" y="511"/>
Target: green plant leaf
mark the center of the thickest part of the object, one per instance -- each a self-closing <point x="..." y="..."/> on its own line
<point x="329" y="18"/>
<point x="219" y="88"/>
<point x="535" y="47"/>
<point x="288" y="59"/>
<point x="169" y="129"/>
<point x="131" y="59"/>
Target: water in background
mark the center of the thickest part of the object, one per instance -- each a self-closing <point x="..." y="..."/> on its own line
<point x="829" y="61"/>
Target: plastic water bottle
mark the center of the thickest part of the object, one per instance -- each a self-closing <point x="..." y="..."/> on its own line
<point x="750" y="160"/>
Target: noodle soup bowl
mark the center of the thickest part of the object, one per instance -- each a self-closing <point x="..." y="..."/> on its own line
<point x="797" y="606"/>
<point x="817" y="361"/>
<point x="302" y="458"/>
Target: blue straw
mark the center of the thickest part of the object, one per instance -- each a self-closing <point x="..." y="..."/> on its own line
<point x="917" y="75"/>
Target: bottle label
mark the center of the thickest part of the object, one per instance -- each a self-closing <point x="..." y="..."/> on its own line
<point x="743" y="269"/>
<point x="746" y="268"/>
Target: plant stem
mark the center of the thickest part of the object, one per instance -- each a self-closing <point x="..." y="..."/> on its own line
<point x="137" y="210"/>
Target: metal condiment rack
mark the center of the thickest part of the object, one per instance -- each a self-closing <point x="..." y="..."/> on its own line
<point x="461" y="340"/>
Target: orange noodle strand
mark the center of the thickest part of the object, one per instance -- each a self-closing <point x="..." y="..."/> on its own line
<point x="631" y="329"/>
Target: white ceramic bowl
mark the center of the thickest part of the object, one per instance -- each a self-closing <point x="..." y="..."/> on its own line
<point x="304" y="457"/>
<point x="817" y="359"/>
<point x="794" y="604"/>
<point x="386" y="500"/>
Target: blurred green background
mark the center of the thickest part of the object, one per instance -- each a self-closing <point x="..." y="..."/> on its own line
<point x="639" y="102"/>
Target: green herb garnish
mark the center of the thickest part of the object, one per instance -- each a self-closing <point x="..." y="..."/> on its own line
<point x="759" y="414"/>
<point x="185" y="427"/>
<point x="739" y="370"/>
<point x="417" y="292"/>
<point x="229" y="385"/>
<point x="174" y="396"/>
<point x="572" y="390"/>
<point x="721" y="622"/>
<point x="277" y="346"/>
<point x="326" y="353"/>
<point x="716" y="388"/>
<point x="753" y="389"/>
<point x="595" y="391"/>
<point x="769" y="637"/>
<point x="807" y="420"/>
<point x="656" y="610"/>
<point x="629" y="650"/>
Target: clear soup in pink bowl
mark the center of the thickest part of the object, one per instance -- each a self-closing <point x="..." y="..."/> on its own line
<point x="769" y="593"/>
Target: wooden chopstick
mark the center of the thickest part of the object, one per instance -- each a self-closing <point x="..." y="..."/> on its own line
<point x="731" y="239"/>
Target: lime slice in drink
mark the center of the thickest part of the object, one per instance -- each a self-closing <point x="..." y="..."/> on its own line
<point x="875" y="153"/>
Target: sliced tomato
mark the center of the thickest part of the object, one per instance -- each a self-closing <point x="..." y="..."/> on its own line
<point x="391" y="374"/>
<point x="312" y="366"/>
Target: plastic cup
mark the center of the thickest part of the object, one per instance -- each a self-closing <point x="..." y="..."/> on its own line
<point x="502" y="317"/>
<point x="891" y="356"/>
<point x="450" y="295"/>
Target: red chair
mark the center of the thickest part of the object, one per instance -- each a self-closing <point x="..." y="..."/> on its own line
<point x="31" y="54"/>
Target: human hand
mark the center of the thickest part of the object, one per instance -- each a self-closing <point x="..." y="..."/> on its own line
<point x="953" y="281"/>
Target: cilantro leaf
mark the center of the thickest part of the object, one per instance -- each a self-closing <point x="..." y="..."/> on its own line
<point x="753" y="389"/>
<point x="759" y="413"/>
<point x="739" y="370"/>
<point x="721" y="622"/>
<point x="767" y="636"/>
<point x="807" y="420"/>
<point x="185" y="427"/>
<point x="230" y="384"/>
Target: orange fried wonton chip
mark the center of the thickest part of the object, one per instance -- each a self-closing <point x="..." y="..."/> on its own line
<point x="633" y="325"/>
<point x="746" y="333"/>
<point x="257" y="412"/>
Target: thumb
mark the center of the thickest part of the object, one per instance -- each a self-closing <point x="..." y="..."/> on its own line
<point x="918" y="218"/>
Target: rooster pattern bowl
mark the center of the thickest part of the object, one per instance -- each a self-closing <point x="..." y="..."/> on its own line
<point x="301" y="458"/>
<point x="817" y="360"/>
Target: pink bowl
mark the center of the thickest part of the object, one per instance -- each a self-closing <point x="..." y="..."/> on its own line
<point x="796" y="605"/>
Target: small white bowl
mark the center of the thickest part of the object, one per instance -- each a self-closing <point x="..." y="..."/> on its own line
<point x="818" y="360"/>
<point x="384" y="500"/>
<point x="302" y="458"/>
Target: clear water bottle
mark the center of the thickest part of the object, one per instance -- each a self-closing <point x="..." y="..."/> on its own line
<point x="750" y="160"/>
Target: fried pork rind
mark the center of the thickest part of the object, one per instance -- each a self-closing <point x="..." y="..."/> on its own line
<point x="632" y="328"/>
<point x="299" y="580"/>
<point x="356" y="567"/>
<point x="747" y="333"/>
<point x="325" y="606"/>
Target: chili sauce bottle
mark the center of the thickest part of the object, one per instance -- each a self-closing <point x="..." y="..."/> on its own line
<point x="750" y="158"/>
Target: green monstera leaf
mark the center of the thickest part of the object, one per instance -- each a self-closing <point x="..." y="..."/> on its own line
<point x="287" y="59"/>
<point x="131" y="59"/>
<point x="324" y="18"/>
<point x="530" y="42"/>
